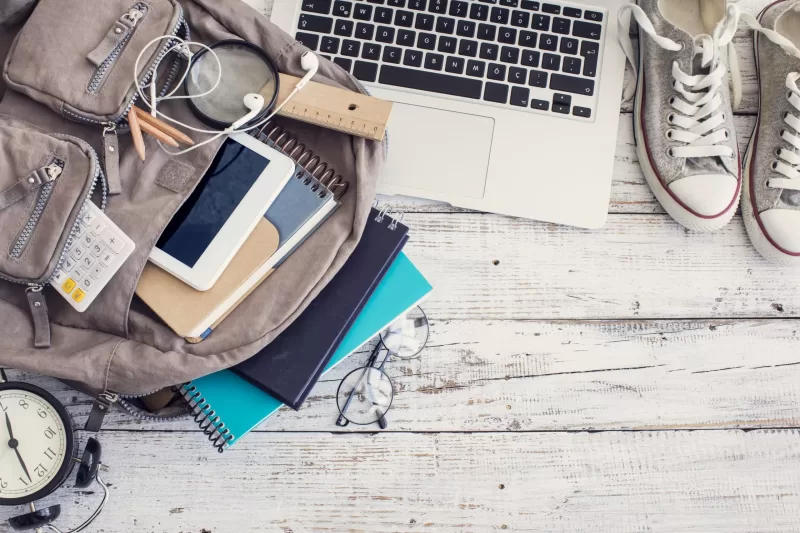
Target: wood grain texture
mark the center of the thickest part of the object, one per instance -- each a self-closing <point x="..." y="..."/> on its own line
<point x="720" y="481"/>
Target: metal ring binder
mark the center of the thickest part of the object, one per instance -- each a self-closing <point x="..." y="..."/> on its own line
<point x="205" y="417"/>
<point x="385" y="211"/>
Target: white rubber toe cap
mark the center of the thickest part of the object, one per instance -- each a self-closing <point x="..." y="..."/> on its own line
<point x="705" y="194"/>
<point x="783" y="227"/>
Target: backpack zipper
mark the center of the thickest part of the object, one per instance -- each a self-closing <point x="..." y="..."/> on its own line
<point x="53" y="171"/>
<point x="133" y="16"/>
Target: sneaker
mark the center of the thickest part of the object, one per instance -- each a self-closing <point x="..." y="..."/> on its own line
<point x="685" y="136"/>
<point x="771" y="197"/>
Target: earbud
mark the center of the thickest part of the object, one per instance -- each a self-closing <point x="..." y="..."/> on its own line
<point x="255" y="103"/>
<point x="310" y="63"/>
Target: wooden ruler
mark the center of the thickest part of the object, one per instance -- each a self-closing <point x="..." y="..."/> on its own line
<point x="334" y="108"/>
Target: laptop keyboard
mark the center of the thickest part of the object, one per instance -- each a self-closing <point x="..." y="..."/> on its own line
<point x="542" y="57"/>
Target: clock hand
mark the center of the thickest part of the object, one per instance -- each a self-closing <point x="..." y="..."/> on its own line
<point x="8" y="425"/>
<point x="14" y="444"/>
<point x="25" y="468"/>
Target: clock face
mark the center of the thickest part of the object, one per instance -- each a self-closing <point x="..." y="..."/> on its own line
<point x="36" y="443"/>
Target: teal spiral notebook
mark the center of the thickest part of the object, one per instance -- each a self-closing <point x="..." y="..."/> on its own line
<point x="227" y="407"/>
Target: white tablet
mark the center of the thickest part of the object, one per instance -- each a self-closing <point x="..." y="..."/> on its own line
<point x="207" y="231"/>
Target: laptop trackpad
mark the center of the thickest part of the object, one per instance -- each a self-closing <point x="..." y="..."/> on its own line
<point x="438" y="151"/>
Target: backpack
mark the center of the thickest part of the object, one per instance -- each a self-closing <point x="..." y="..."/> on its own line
<point x="117" y="348"/>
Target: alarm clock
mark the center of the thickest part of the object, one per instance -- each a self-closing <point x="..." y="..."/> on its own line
<point x="37" y="453"/>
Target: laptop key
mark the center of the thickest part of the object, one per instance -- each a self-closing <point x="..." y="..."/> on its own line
<point x="571" y="84"/>
<point x="468" y="48"/>
<point x="551" y="8"/>
<point x="342" y="9"/>
<point x="454" y="65"/>
<point x="412" y="58"/>
<point x="520" y="19"/>
<point x="434" y="61"/>
<point x="489" y="51"/>
<point x="431" y="81"/>
<point x="541" y="105"/>
<point x="568" y="46"/>
<point x="417" y="5"/>
<point x="447" y="44"/>
<point x="478" y="12"/>
<point x="383" y="15"/>
<point x="424" y="22"/>
<point x="560" y="98"/>
<point x="486" y="32"/>
<point x="520" y="96"/>
<point x="465" y="28"/>
<point x="572" y="65"/>
<point x="530" y="58"/>
<point x="527" y="39"/>
<point x="392" y="54"/>
<point x="593" y="15"/>
<point x="438" y="6"/>
<point x="315" y="23"/>
<point x="403" y="18"/>
<point x="551" y="62"/>
<point x="344" y="28"/>
<point x="561" y="25"/>
<point x="541" y="22"/>
<point x="518" y="75"/>
<point x="496" y="71"/>
<point x="560" y="108"/>
<point x="426" y="41"/>
<point x="384" y="34"/>
<point x="590" y="51"/>
<point x="530" y="5"/>
<point x="371" y="51"/>
<point x="537" y="78"/>
<point x="587" y="30"/>
<point x="495" y="92"/>
<point x="509" y="55"/>
<point x="364" y="31"/>
<point x="397" y="3"/>
<point x="507" y="35"/>
<point x="406" y="37"/>
<point x="445" y="25"/>
<point x="573" y="12"/>
<point x="363" y="12"/>
<point x="475" y="68"/>
<point x="351" y="48"/>
<point x="500" y="15"/>
<point x="309" y="40"/>
<point x="343" y="62"/>
<point x="509" y="3"/>
<point x="329" y="45"/>
<point x="323" y="7"/>
<point x="365" y="71"/>
<point x="458" y="9"/>
<point x="584" y="112"/>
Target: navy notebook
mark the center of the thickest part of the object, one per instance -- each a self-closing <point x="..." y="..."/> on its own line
<point x="289" y="367"/>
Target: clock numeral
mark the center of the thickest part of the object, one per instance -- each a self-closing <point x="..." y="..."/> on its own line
<point x="50" y="454"/>
<point x="23" y="481"/>
<point x="40" y="470"/>
<point x="24" y="404"/>
<point x="3" y="484"/>
<point x="49" y="433"/>
<point x="41" y="412"/>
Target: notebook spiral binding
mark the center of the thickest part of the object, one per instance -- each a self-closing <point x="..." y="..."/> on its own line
<point x="310" y="167"/>
<point x="205" y="417"/>
<point x="383" y="212"/>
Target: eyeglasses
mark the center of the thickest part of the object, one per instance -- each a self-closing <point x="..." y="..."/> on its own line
<point x="365" y="395"/>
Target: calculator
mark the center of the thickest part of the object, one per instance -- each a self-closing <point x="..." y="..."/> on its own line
<point x="98" y="250"/>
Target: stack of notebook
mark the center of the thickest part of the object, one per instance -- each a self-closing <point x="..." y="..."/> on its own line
<point x="375" y="286"/>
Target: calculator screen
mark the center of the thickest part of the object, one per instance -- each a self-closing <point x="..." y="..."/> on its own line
<point x="234" y="170"/>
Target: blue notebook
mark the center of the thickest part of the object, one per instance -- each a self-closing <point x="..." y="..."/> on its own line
<point x="234" y="407"/>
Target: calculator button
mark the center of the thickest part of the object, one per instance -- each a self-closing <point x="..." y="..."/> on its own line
<point x="88" y="217"/>
<point x="113" y="242"/>
<point x="87" y="262"/>
<point x="98" y="227"/>
<point x="97" y="271"/>
<point x="88" y="239"/>
<point x="97" y="249"/>
<point x="107" y="258"/>
<point x="86" y="283"/>
<point x="77" y="273"/>
<point x="68" y="285"/>
<point x="69" y="263"/>
<point x="78" y="252"/>
<point x="78" y="295"/>
<point x="81" y="230"/>
<point x="59" y="277"/>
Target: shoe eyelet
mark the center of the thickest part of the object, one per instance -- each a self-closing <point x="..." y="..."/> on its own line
<point x="788" y="94"/>
<point x="683" y="46"/>
<point x="671" y="100"/>
<point x="785" y="115"/>
<point x="670" y="153"/>
<point x="724" y="117"/>
<point x="774" y="167"/>
<point x="671" y="118"/>
<point x="727" y="134"/>
<point x="780" y="134"/>
<point x="668" y="134"/>
<point x="778" y="152"/>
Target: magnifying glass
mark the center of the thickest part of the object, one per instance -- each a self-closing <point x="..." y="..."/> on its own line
<point x="246" y="69"/>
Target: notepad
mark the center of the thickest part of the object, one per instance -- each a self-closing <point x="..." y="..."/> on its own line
<point x="235" y="407"/>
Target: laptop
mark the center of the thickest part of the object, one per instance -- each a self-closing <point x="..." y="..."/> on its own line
<point x="504" y="106"/>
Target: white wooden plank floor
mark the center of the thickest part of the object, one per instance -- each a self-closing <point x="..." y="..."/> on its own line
<point x="633" y="379"/>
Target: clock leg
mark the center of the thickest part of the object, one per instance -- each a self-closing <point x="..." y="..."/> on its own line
<point x="36" y="518"/>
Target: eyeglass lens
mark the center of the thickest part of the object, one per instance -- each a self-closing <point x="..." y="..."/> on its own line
<point x="365" y="395"/>
<point x="407" y="336"/>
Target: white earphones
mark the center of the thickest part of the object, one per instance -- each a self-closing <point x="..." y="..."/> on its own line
<point x="253" y="102"/>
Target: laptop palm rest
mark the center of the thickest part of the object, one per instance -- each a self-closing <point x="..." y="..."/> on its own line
<point x="440" y="152"/>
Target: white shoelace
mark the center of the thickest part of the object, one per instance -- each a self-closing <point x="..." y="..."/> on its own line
<point x="788" y="162"/>
<point x="697" y="116"/>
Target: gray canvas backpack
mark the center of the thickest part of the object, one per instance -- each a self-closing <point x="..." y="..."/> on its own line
<point x="55" y="108"/>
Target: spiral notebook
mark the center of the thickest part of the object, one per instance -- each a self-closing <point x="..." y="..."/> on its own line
<point x="227" y="407"/>
<point x="300" y="208"/>
<point x="289" y="366"/>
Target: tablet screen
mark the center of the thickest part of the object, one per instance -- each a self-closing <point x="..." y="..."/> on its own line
<point x="234" y="170"/>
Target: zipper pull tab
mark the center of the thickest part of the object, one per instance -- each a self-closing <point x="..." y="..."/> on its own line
<point x="134" y="16"/>
<point x="32" y="181"/>
<point x="102" y="404"/>
<point x="54" y="170"/>
<point x="41" y="321"/>
<point x="111" y="158"/>
<point x="115" y="37"/>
